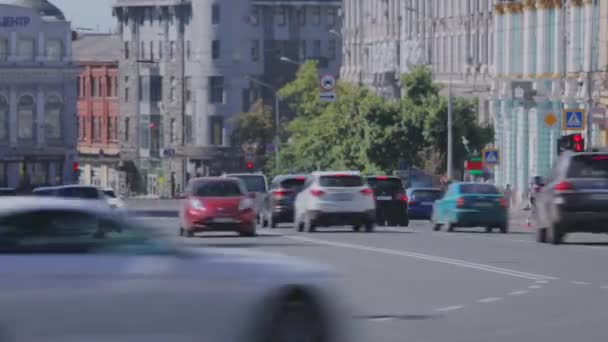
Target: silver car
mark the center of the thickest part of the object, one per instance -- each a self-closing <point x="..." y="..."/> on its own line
<point x="65" y="275"/>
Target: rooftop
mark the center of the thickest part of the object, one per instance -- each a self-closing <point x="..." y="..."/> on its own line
<point x="97" y="47"/>
<point x="45" y="8"/>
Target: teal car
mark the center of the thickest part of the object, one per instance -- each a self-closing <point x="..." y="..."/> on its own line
<point x="470" y="205"/>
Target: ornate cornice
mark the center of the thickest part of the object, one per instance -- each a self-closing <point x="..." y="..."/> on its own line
<point x="499" y="8"/>
<point x="514" y="7"/>
<point x="529" y="5"/>
<point x="545" y="4"/>
<point x="588" y="2"/>
<point x="576" y="3"/>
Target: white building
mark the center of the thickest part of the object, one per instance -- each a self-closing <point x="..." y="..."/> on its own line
<point x="38" y="132"/>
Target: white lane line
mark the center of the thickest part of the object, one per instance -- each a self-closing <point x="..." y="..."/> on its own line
<point x="579" y="282"/>
<point x="456" y="262"/>
<point x="450" y="308"/>
<point x="475" y="237"/>
<point x="541" y="282"/>
<point x="489" y="300"/>
<point x="535" y="287"/>
<point x="518" y="293"/>
<point x="604" y="287"/>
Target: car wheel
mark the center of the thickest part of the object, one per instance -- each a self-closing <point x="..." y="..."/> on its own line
<point x="357" y="227"/>
<point x="297" y="320"/>
<point x="298" y="224"/>
<point x="308" y="224"/>
<point x="541" y="235"/>
<point x="181" y="231"/>
<point x="272" y="223"/>
<point x="555" y="235"/>
<point x="436" y="226"/>
<point x="450" y="227"/>
<point x="404" y="222"/>
<point x="189" y="233"/>
<point x="251" y="232"/>
<point x="488" y="229"/>
<point x="265" y="221"/>
<point x="369" y="227"/>
<point x="504" y="229"/>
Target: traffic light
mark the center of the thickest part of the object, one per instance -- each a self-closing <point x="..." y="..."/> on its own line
<point x="572" y="142"/>
<point x="250" y="166"/>
<point x="76" y="171"/>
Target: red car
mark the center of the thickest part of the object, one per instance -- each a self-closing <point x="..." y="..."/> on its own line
<point x="217" y="204"/>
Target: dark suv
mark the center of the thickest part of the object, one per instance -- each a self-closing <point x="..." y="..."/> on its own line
<point x="278" y="207"/>
<point x="575" y="197"/>
<point x="391" y="200"/>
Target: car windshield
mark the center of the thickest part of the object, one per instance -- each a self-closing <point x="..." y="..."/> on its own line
<point x="75" y="232"/>
<point x="341" y="181"/>
<point x="485" y="189"/>
<point x="426" y="195"/>
<point x="388" y="185"/>
<point x="293" y="183"/>
<point x="109" y="193"/>
<point x="220" y="188"/>
<point x="79" y="192"/>
<point x="44" y="192"/>
<point x="588" y="166"/>
<point x="253" y="183"/>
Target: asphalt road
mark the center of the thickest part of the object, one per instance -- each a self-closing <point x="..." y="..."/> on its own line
<point x="413" y="284"/>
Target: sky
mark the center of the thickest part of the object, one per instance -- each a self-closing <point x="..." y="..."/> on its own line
<point x="91" y="14"/>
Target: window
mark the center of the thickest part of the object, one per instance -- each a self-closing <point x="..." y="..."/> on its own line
<point x="316" y="48"/>
<point x="217" y="130"/>
<point x="94" y="87"/>
<point x="114" y="86"/>
<point x="127" y="94"/>
<point x="245" y="100"/>
<point x="303" y="52"/>
<point x="173" y="131"/>
<point x="188" y="129"/>
<point x="221" y="188"/>
<point x="281" y="16"/>
<point x="3" y="49"/>
<point x="255" y="50"/>
<point x="54" y="49"/>
<point x="80" y="128"/>
<point x="127" y="128"/>
<point x="25" y="50"/>
<point x="316" y="15"/>
<point x="79" y="86"/>
<point x="52" y="117"/>
<point x="127" y="52"/>
<point x="302" y="16"/>
<point x="216" y="89"/>
<point x="160" y="49"/>
<point x="331" y="16"/>
<point x="188" y="89"/>
<point x="188" y="50"/>
<point x="215" y="49"/>
<point x="172" y="89"/>
<point x="254" y="18"/>
<point x="108" y="86"/>
<point x="141" y="88"/>
<point x="215" y="14"/>
<point x="142" y="50"/>
<point x="25" y="117"/>
<point x="331" y="49"/>
<point x="96" y="129"/>
<point x="3" y="119"/>
<point x="172" y="50"/>
<point x="152" y="50"/>
<point x="111" y="134"/>
<point x="156" y="88"/>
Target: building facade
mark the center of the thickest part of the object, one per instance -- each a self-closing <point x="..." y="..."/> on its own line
<point x="185" y="71"/>
<point x="37" y="96"/>
<point x="98" y="147"/>
<point x="546" y="60"/>
<point x="385" y="39"/>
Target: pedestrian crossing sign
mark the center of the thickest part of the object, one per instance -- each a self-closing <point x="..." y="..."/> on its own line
<point x="491" y="156"/>
<point x="574" y="119"/>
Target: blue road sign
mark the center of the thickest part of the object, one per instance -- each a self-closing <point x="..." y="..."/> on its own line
<point x="491" y="157"/>
<point x="574" y="119"/>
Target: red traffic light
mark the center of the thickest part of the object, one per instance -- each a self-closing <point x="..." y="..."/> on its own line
<point x="75" y="167"/>
<point x="249" y="166"/>
<point x="577" y="138"/>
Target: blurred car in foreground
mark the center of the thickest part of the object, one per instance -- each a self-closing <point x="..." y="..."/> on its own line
<point x="575" y="198"/>
<point x="62" y="281"/>
<point x="421" y="201"/>
<point x="45" y="191"/>
<point x="113" y="200"/>
<point x="335" y="199"/>
<point x="7" y="192"/>
<point x="278" y="207"/>
<point x="217" y="204"/>
<point x="471" y="205"/>
<point x="391" y="200"/>
<point x="257" y="185"/>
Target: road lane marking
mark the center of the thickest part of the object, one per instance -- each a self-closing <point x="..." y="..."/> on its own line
<point x="579" y="282"/>
<point x="456" y="262"/>
<point x="535" y="287"/>
<point x="518" y="293"/>
<point x="541" y="281"/>
<point x="489" y="300"/>
<point x="604" y="287"/>
<point x="450" y="308"/>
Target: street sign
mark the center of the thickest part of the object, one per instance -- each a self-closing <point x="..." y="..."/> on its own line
<point x="574" y="119"/>
<point x="328" y="97"/>
<point x="491" y="156"/>
<point x="550" y="120"/>
<point x="169" y="152"/>
<point x="328" y="82"/>
<point x="249" y="157"/>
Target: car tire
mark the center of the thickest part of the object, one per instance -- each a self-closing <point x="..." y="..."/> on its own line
<point x="489" y="229"/>
<point x="265" y="221"/>
<point x="450" y="227"/>
<point x="299" y="318"/>
<point x="436" y="226"/>
<point x="189" y="233"/>
<point x="181" y="231"/>
<point x="249" y="233"/>
<point x="272" y="223"/>
<point x="309" y="226"/>
<point x="370" y="227"/>
<point x="404" y="222"/>
<point x="555" y="235"/>
<point x="504" y="229"/>
<point x="357" y="227"/>
<point x="541" y="235"/>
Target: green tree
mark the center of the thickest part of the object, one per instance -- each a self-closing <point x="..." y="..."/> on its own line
<point x="255" y="127"/>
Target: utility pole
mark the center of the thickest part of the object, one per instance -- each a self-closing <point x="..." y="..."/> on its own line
<point x="588" y="137"/>
<point x="450" y="124"/>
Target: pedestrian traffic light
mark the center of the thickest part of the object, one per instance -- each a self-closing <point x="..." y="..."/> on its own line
<point x="249" y="166"/>
<point x="578" y="142"/>
<point x="572" y="142"/>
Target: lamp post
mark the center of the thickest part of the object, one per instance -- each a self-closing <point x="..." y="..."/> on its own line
<point x="276" y="115"/>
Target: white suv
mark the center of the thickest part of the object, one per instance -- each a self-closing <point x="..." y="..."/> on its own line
<point x="335" y="199"/>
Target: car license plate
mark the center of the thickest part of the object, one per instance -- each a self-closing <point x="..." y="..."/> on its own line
<point x="384" y="198"/>
<point x="483" y="204"/>
<point x="224" y="220"/>
<point x="599" y="197"/>
<point x="342" y="197"/>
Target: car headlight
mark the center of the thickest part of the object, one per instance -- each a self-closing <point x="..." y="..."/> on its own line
<point x="197" y="205"/>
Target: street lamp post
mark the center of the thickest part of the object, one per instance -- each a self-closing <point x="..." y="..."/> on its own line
<point x="277" y="99"/>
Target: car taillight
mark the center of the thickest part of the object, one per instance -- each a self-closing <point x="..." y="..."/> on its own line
<point x="460" y="202"/>
<point x="503" y="202"/>
<point x="401" y="197"/>
<point x="317" y="192"/>
<point x="412" y="202"/>
<point x="564" y="187"/>
<point x="280" y="193"/>
<point x="367" y="192"/>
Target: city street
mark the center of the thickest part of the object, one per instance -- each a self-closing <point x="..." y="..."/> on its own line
<point x="413" y="284"/>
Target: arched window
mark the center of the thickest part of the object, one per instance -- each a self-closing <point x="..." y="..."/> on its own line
<point x="25" y="117"/>
<point x="3" y="119"/>
<point x="52" y="115"/>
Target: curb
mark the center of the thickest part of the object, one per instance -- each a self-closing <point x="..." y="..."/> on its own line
<point x="154" y="213"/>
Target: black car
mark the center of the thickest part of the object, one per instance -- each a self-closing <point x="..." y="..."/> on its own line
<point x="575" y="197"/>
<point x="278" y="206"/>
<point x="7" y="192"/>
<point x="391" y="200"/>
